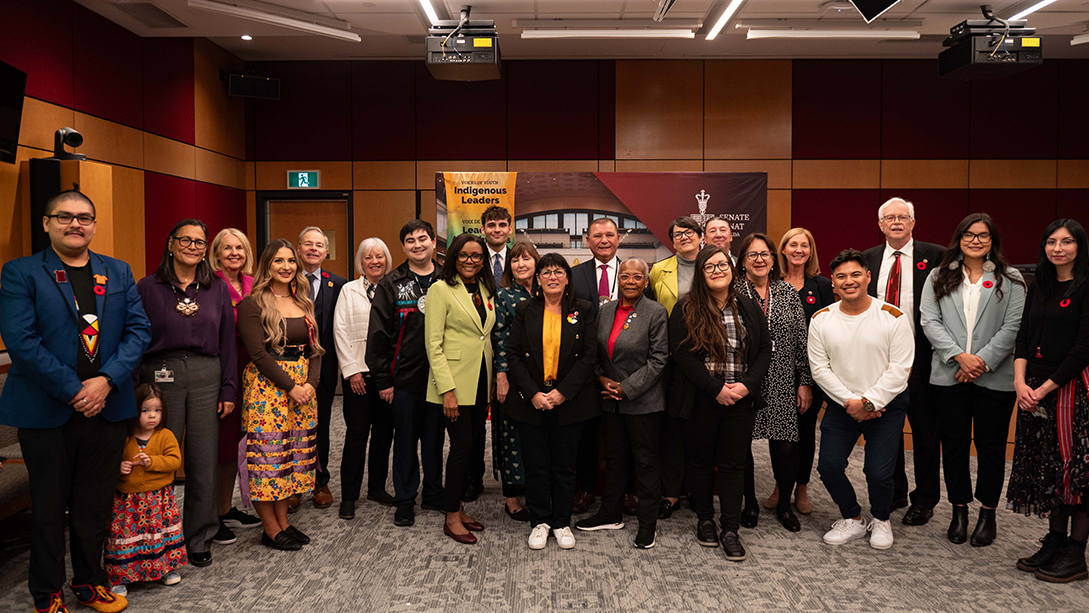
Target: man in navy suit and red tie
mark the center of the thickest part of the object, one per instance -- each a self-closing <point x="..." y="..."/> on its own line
<point x="75" y="329"/>
<point x="899" y="269"/>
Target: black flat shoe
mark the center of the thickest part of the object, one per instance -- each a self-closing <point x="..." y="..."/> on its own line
<point x="297" y="535"/>
<point x="985" y="530"/>
<point x="749" y="517"/>
<point x="200" y="559"/>
<point x="283" y="542"/>
<point x="707" y="533"/>
<point x="1051" y="543"/>
<point x="382" y="497"/>
<point x="665" y="510"/>
<point x="520" y="515"/>
<point x="958" y="526"/>
<point x="347" y="509"/>
<point x="917" y="516"/>
<point x="731" y="545"/>
<point x="789" y="521"/>
<point x="405" y="516"/>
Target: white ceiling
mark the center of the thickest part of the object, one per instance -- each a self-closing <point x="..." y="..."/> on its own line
<point x="393" y="29"/>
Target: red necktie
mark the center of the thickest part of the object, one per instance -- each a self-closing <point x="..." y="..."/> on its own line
<point x="603" y="284"/>
<point x="892" y="292"/>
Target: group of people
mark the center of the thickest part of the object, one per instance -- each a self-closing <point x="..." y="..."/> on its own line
<point x="231" y="363"/>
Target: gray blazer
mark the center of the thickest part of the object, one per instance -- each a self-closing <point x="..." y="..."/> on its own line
<point x="993" y="336"/>
<point x="639" y="356"/>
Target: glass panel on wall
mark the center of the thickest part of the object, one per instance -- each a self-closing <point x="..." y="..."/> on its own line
<point x="521" y="224"/>
<point x="538" y="222"/>
<point x="552" y="221"/>
<point x="569" y="223"/>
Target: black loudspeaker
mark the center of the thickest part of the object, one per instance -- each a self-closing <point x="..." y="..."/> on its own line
<point x="872" y="9"/>
<point x="253" y="86"/>
<point x="45" y="182"/>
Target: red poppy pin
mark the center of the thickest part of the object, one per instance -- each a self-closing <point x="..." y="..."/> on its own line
<point x="490" y="306"/>
<point x="324" y="274"/>
<point x="811" y="300"/>
<point x="988" y="284"/>
<point x="921" y="265"/>
<point x="100" y="290"/>
<point x="61" y="275"/>
<point x="1065" y="302"/>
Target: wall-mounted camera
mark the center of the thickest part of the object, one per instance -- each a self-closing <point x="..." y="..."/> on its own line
<point x="67" y="136"/>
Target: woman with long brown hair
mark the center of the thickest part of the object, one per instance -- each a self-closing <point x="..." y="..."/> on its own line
<point x="720" y="342"/>
<point x="280" y="414"/>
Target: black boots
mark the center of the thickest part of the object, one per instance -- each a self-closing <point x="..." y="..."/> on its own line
<point x="985" y="529"/>
<point x="958" y="526"/>
<point x="1067" y="565"/>
<point x="1051" y="544"/>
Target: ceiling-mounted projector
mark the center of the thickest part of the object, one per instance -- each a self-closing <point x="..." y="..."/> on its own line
<point x="463" y="50"/>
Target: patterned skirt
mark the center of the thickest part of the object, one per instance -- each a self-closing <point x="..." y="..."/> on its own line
<point x="281" y="436"/>
<point x="1042" y="480"/>
<point x="506" y="449"/>
<point x="145" y="540"/>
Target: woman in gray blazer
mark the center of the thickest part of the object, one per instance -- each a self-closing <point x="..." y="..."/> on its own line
<point x="971" y="310"/>
<point x="633" y="348"/>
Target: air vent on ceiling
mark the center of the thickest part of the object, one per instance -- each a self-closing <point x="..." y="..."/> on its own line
<point x="149" y="15"/>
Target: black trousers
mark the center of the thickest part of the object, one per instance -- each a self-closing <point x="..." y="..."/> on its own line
<point x="464" y="432"/>
<point x="719" y="438"/>
<point x="74" y="467"/>
<point x="632" y="439"/>
<point x="324" y="395"/>
<point x="416" y="426"/>
<point x="365" y="416"/>
<point x="671" y="452"/>
<point x="922" y="414"/>
<point x="966" y="407"/>
<point x="807" y="436"/>
<point x="480" y="436"/>
<point x="588" y="456"/>
<point x="550" y="452"/>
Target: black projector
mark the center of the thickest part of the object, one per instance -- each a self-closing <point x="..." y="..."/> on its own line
<point x="978" y="57"/>
<point x="463" y="57"/>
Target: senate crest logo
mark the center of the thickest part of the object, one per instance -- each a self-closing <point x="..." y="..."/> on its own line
<point x="702" y="217"/>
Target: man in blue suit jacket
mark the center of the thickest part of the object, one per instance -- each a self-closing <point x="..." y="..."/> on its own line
<point x="75" y="330"/>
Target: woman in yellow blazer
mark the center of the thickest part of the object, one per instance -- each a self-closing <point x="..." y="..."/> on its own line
<point x="458" y="317"/>
<point x="670" y="278"/>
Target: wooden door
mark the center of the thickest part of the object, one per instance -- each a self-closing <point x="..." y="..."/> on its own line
<point x="286" y="218"/>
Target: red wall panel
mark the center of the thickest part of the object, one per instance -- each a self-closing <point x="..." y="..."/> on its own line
<point x="108" y="69"/>
<point x="1073" y="119"/>
<point x="312" y="120"/>
<point x="220" y="207"/>
<point x="169" y="106"/>
<point x="1017" y="117"/>
<point x="37" y="39"/>
<point x="937" y="211"/>
<point x="922" y="116"/>
<point x="1020" y="214"/>
<point x="167" y="200"/>
<point x="606" y="139"/>
<point x="838" y="218"/>
<point x="383" y="111"/>
<point x="837" y="109"/>
<point x="552" y="110"/>
<point x="458" y="120"/>
<point x="1073" y="204"/>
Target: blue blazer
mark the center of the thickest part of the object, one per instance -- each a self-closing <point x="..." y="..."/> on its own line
<point x="993" y="334"/>
<point x="38" y="322"/>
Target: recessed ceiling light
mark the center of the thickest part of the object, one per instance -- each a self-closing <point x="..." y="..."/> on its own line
<point x="247" y="37"/>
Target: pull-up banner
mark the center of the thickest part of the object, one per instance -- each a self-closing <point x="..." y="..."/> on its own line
<point x="469" y="194"/>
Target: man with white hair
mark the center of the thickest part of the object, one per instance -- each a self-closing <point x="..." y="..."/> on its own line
<point x="902" y="265"/>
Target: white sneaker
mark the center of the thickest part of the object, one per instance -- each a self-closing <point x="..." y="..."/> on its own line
<point x="172" y="578"/>
<point x="845" y="530"/>
<point x="880" y="534"/>
<point x="119" y="590"/>
<point x="564" y="538"/>
<point x="539" y="537"/>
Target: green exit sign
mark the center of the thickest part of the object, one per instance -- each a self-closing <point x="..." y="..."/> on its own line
<point x="304" y="179"/>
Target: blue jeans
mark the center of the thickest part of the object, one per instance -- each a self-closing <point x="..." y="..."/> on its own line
<point x="839" y="433"/>
<point x="414" y="424"/>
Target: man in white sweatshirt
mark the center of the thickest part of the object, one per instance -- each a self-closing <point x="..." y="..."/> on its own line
<point x="860" y="353"/>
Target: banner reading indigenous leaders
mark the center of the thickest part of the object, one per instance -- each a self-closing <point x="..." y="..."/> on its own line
<point x="468" y="194"/>
<point x="555" y="209"/>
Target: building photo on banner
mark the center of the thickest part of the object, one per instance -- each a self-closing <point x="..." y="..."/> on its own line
<point x="553" y="210"/>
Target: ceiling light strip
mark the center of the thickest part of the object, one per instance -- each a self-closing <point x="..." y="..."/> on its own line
<point x="430" y="10"/>
<point x="1032" y="9"/>
<point x="658" y="33"/>
<point x="723" y="19"/>
<point x="878" y="34"/>
<point x="275" y="20"/>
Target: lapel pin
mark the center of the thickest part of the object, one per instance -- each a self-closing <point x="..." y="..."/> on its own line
<point x="330" y="283"/>
<point x="100" y="279"/>
<point x="988" y="284"/>
<point x="100" y="290"/>
<point x="61" y="276"/>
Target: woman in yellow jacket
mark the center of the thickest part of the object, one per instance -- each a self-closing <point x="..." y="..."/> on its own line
<point x="458" y="317"/>
<point x="670" y="278"/>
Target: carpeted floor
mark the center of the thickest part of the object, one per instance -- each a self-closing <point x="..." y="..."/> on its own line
<point x="368" y="564"/>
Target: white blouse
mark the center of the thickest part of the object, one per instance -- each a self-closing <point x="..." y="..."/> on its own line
<point x="970" y="294"/>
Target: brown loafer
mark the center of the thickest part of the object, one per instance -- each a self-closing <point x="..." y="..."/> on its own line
<point x="323" y="498"/>
<point x="465" y="539"/>
<point x="293" y="503"/>
<point x="583" y="500"/>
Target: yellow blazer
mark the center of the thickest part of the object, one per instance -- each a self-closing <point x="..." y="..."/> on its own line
<point x="663" y="282"/>
<point x="456" y="342"/>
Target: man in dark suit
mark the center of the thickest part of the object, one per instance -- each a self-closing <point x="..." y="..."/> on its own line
<point x="595" y="281"/>
<point x="324" y="291"/>
<point x="75" y="330"/>
<point x="900" y="267"/>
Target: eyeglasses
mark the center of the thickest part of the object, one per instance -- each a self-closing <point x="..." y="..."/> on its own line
<point x="892" y="218"/>
<point x="724" y="266"/>
<point x="559" y="273"/>
<point x="689" y="233"/>
<point x="758" y="255"/>
<point x="1066" y="243"/>
<point x="970" y="237"/>
<point x="66" y="218"/>
<point x="185" y="241"/>
<point x="475" y="258"/>
<point x="637" y="277"/>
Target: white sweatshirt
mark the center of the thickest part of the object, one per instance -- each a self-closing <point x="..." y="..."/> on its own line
<point x="867" y="355"/>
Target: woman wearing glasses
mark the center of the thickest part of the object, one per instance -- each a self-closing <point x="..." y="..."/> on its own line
<point x="458" y="321"/>
<point x="786" y="390"/>
<point x="720" y="343"/>
<point x="971" y="310"/>
<point x="192" y="357"/>
<point x="552" y="355"/>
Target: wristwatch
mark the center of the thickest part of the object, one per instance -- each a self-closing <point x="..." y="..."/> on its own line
<point x="866" y="404"/>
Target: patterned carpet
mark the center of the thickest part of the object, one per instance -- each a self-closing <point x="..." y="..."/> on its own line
<point x="368" y="564"/>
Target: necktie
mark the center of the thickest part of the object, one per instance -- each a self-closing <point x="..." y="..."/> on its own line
<point x="498" y="270"/>
<point x="603" y="284"/>
<point x="892" y="291"/>
<point x="312" y="278"/>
